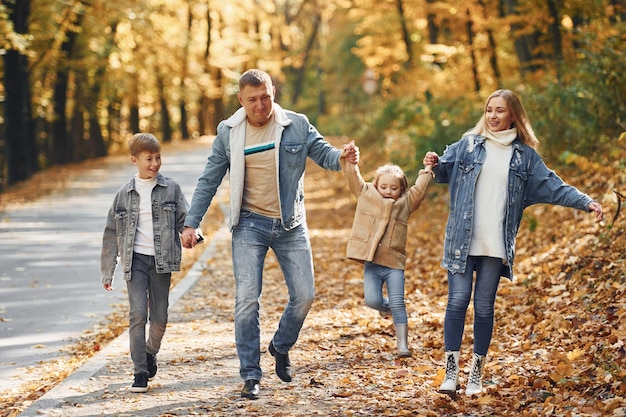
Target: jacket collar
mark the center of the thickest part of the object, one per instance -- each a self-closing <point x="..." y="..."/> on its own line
<point x="160" y="180"/>
<point x="239" y="117"/>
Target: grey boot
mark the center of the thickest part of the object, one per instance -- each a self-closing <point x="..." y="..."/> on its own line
<point x="451" y="382"/>
<point x="475" y="381"/>
<point x="402" y="337"/>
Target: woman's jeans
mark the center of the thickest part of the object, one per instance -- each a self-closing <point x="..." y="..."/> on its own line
<point x="148" y="291"/>
<point x="252" y="238"/>
<point x="374" y="276"/>
<point x="459" y="293"/>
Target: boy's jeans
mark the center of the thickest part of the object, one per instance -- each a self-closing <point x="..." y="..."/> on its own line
<point x="147" y="291"/>
<point x="459" y="292"/>
<point x="252" y="238"/>
<point x="374" y="276"/>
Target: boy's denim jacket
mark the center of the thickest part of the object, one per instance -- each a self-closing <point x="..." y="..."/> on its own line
<point x="530" y="182"/>
<point x="169" y="209"/>
<point x="296" y="139"/>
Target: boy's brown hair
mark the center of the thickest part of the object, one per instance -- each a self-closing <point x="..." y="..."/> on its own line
<point x="143" y="142"/>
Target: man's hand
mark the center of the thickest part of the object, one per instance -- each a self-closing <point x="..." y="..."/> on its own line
<point x="351" y="152"/>
<point x="188" y="237"/>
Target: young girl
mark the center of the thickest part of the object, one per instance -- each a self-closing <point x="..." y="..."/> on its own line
<point x="378" y="237"/>
<point x="494" y="172"/>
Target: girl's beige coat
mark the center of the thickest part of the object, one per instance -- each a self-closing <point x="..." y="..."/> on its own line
<point x="379" y="229"/>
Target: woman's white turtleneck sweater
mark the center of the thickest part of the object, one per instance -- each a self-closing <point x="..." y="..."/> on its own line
<point x="491" y="196"/>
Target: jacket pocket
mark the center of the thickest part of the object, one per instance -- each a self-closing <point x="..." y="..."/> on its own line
<point x="169" y="209"/>
<point x="121" y="222"/>
<point x="364" y="226"/>
<point x="292" y="153"/>
<point x="398" y="237"/>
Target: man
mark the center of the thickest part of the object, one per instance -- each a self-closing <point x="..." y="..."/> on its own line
<point x="265" y="149"/>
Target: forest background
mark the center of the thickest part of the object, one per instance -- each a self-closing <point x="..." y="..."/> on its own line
<point x="399" y="76"/>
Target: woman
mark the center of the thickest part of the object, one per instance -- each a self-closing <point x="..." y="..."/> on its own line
<point x="494" y="172"/>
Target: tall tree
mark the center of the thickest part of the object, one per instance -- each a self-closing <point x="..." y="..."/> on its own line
<point x="406" y="37"/>
<point x="184" y="128"/>
<point x="20" y="150"/>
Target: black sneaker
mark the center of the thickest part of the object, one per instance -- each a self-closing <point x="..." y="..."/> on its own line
<point x="140" y="384"/>
<point x="152" y="365"/>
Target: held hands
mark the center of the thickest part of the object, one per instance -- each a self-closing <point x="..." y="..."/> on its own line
<point x="430" y="160"/>
<point x="188" y="237"/>
<point x="595" y="206"/>
<point x="350" y="152"/>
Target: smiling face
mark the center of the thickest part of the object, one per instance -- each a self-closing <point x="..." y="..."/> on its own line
<point x="258" y="101"/>
<point x="148" y="164"/>
<point x="498" y="114"/>
<point x="389" y="186"/>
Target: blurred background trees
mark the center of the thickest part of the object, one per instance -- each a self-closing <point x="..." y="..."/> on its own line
<point x="399" y="76"/>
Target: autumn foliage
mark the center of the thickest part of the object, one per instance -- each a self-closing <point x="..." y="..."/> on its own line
<point x="558" y="346"/>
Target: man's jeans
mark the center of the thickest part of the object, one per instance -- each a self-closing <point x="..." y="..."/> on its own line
<point x="252" y="238"/>
<point x="374" y="276"/>
<point x="147" y="291"/>
<point x="459" y="292"/>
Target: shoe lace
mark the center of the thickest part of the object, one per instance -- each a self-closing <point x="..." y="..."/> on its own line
<point x="475" y="374"/>
<point x="450" y="368"/>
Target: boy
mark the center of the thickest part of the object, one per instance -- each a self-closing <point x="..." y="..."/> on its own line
<point x="143" y="229"/>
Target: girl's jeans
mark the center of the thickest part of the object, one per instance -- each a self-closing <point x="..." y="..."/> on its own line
<point x="459" y="293"/>
<point x="148" y="291"/>
<point x="374" y="276"/>
<point x="252" y="238"/>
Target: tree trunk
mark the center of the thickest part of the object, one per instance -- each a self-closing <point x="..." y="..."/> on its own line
<point x="133" y="107"/>
<point x="184" y="128"/>
<point x="470" y="41"/>
<point x="298" y="85"/>
<point x="166" y="128"/>
<point x="20" y="149"/>
<point x="525" y="45"/>
<point x="62" y="150"/>
<point x="405" y="34"/>
<point x="493" y="57"/>
<point x="555" y="36"/>
<point x="433" y="29"/>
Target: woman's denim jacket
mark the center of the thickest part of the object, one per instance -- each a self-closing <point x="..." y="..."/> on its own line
<point x="296" y="139"/>
<point x="530" y="182"/>
<point x="169" y="209"/>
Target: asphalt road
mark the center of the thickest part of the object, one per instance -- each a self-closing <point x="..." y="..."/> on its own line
<point x="50" y="289"/>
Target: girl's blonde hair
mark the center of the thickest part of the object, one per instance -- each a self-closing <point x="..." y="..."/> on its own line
<point x="395" y="171"/>
<point x="143" y="142"/>
<point x="520" y="118"/>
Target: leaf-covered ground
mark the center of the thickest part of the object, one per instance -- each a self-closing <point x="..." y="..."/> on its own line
<point x="558" y="346"/>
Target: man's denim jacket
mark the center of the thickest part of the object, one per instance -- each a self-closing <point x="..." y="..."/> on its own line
<point x="296" y="139"/>
<point x="530" y="182"/>
<point x="169" y="209"/>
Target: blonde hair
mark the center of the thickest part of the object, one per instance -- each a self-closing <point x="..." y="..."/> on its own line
<point x="520" y="118"/>
<point x="143" y="142"/>
<point x="395" y="171"/>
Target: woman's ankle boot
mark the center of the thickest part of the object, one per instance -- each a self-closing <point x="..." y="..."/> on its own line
<point x="450" y="383"/>
<point x="475" y="381"/>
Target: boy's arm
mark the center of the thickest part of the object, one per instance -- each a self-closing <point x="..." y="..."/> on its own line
<point x="181" y="212"/>
<point x="110" y="251"/>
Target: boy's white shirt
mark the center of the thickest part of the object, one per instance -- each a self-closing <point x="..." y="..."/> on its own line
<point x="144" y="236"/>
